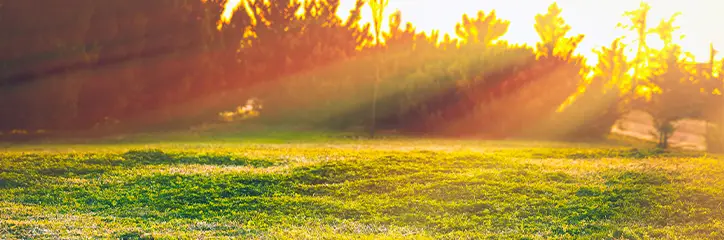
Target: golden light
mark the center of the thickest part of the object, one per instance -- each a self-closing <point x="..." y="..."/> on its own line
<point x="229" y="8"/>
<point x="596" y="19"/>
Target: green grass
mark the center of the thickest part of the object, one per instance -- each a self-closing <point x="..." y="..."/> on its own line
<point x="346" y="188"/>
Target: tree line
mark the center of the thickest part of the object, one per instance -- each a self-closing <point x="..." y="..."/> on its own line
<point x="76" y="64"/>
<point x="70" y="65"/>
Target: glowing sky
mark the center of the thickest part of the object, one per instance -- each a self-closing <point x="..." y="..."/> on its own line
<point x="596" y="19"/>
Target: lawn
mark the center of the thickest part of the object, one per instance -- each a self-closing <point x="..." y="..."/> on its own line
<point x="347" y="188"/>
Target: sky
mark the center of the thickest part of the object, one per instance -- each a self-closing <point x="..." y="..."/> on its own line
<point x="596" y="19"/>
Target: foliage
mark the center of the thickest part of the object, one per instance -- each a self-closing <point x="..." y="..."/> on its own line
<point x="251" y="109"/>
<point x="481" y="29"/>
<point x="593" y="112"/>
<point x="677" y="93"/>
<point x="121" y="60"/>
<point x="378" y="8"/>
<point x="176" y="63"/>
<point x="426" y="89"/>
<point x="552" y="30"/>
<point x="397" y="37"/>
<point x="677" y="100"/>
<point x="563" y="81"/>
<point x="639" y="24"/>
<point x="708" y="76"/>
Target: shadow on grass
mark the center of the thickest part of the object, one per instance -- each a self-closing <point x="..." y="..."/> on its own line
<point x="158" y="157"/>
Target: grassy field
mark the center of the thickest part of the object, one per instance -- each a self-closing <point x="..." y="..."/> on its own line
<point x="350" y="189"/>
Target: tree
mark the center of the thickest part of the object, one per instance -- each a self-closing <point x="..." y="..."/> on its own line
<point x="448" y="42"/>
<point x="276" y="29"/>
<point x="483" y="29"/>
<point x="552" y="30"/>
<point x="479" y="32"/>
<point x="676" y="94"/>
<point x="676" y="99"/>
<point x="396" y="36"/>
<point x="713" y="113"/>
<point x="378" y="10"/>
<point x="360" y="33"/>
<point x="639" y="24"/>
<point x="593" y="111"/>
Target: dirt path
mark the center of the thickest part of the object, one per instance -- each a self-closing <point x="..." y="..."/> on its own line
<point x="689" y="133"/>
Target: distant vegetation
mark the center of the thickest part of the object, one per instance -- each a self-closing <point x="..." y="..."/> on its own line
<point x="177" y="63"/>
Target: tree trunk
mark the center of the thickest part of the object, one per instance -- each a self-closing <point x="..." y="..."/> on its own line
<point x="374" y="101"/>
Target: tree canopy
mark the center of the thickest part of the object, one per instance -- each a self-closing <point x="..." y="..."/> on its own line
<point x="86" y="64"/>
